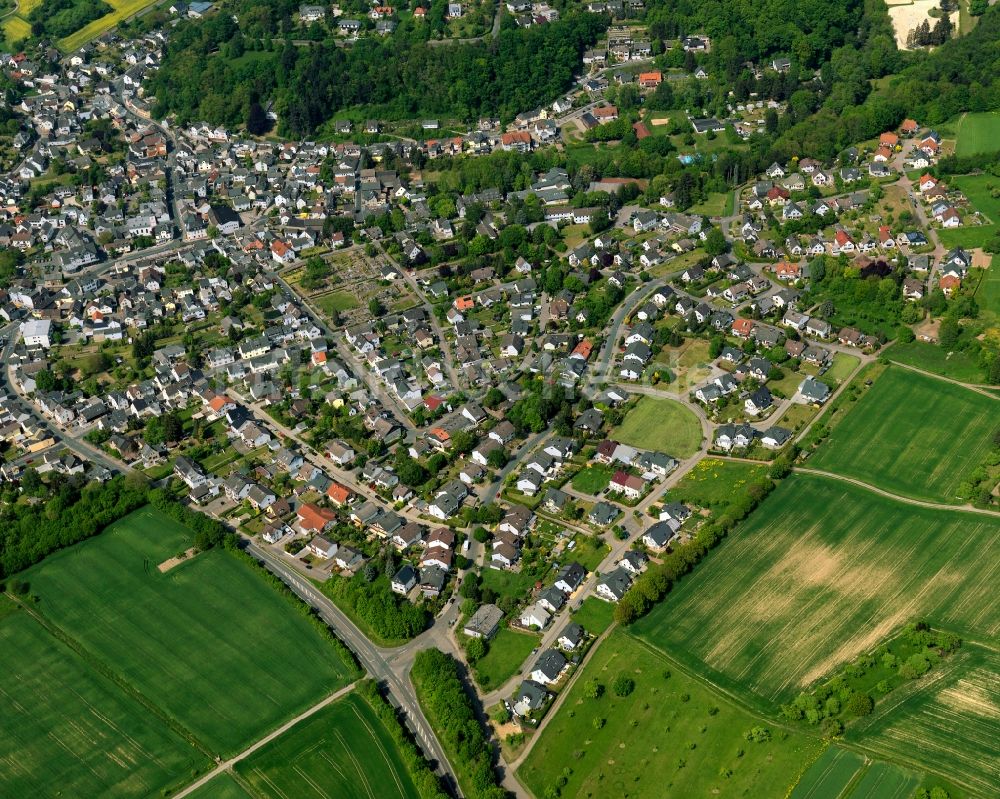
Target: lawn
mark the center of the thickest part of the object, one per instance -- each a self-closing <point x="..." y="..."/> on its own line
<point x="593" y="479"/>
<point x="209" y="641"/>
<point x="822" y="571"/>
<point x="508" y="650"/>
<point x="335" y="301"/>
<point x="70" y="731"/>
<point x="661" y="424"/>
<point x="508" y="583"/>
<point x="978" y="133"/>
<point x="342" y="751"/>
<point x="715" y="205"/>
<point x="595" y="615"/>
<point x="712" y="483"/>
<point x="912" y="435"/>
<point x="841" y="368"/>
<point x="588" y="552"/>
<point x="932" y="358"/>
<point x="950" y="724"/>
<point x="672" y="736"/>
<point x="123" y="9"/>
<point x="224" y="786"/>
<point x="829" y="776"/>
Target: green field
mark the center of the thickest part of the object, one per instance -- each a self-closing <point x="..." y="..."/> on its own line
<point x="671" y="736"/>
<point x="912" y="435"/>
<point x="342" y="751"/>
<point x="988" y="293"/>
<point x="593" y="479"/>
<point x="70" y="731"/>
<point x="951" y="724"/>
<point x="508" y="650"/>
<point x="829" y="776"/>
<point x="15" y="29"/>
<point x="335" y="301"/>
<point x="822" y="571"/>
<point x="885" y="781"/>
<point x="932" y="358"/>
<point x="208" y="641"/>
<point x="712" y="483"/>
<point x="977" y="133"/>
<point x="224" y="786"/>
<point x="841" y="368"/>
<point x="660" y="424"/>
<point x="594" y="615"/>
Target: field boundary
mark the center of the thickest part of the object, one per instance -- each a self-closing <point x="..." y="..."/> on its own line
<point x="228" y="764"/>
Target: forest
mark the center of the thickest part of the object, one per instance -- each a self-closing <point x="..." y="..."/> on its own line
<point x="211" y="72"/>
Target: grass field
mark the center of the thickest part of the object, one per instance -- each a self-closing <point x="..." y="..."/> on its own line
<point x="14" y="29"/>
<point x="593" y="479"/>
<point x="829" y="776"/>
<point x="912" y="435"/>
<point x="820" y="573"/>
<point x="885" y="781"/>
<point x="342" y="751"/>
<point x="977" y="133"/>
<point x="589" y="551"/>
<point x="932" y="358"/>
<point x="660" y="424"/>
<point x="70" y="731"/>
<point x="979" y="190"/>
<point x="671" y="736"/>
<point x="951" y="723"/>
<point x="224" y="786"/>
<point x="507" y="652"/>
<point x="714" y="482"/>
<point x="209" y="641"/>
<point x="841" y="368"/>
<point x="336" y="301"/>
<point x="988" y="293"/>
<point x="594" y="615"/>
<point x="123" y="9"/>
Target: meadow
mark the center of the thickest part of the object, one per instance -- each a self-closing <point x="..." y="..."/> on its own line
<point x="977" y="133"/>
<point x="913" y="435"/>
<point x="594" y="615"/>
<point x="714" y="482"/>
<point x="69" y="730"/>
<point x="979" y="189"/>
<point x="671" y="736"/>
<point x="988" y="293"/>
<point x="342" y="751"/>
<point x="508" y="650"/>
<point x="209" y="642"/>
<point x="932" y="358"/>
<point x="951" y="723"/>
<point x="822" y="571"/>
<point x="660" y="424"/>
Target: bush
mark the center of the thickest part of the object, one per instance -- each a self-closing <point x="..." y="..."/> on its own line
<point x="859" y="705"/>
<point x="758" y="735"/>
<point x="623" y="685"/>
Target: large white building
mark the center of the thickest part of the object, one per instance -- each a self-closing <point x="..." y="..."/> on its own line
<point x="36" y="332"/>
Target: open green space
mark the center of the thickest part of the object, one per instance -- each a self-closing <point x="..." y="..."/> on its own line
<point x="224" y="786"/>
<point x="661" y="424"/>
<point x="593" y="479"/>
<point x="950" y="723"/>
<point x="671" y="736"/>
<point x="713" y="483"/>
<point x="342" y="751"/>
<point x="977" y="133"/>
<point x="885" y="781"/>
<point x="68" y="730"/>
<point x="507" y="651"/>
<point x="335" y="301"/>
<point x="594" y="615"/>
<point x="913" y="435"/>
<point x="209" y="641"/>
<point x="988" y="293"/>
<point x="822" y="571"/>
<point x="507" y="583"/>
<point x="841" y="368"/>
<point x="589" y="551"/>
<point x="830" y="775"/>
<point x="933" y="358"/>
<point x="979" y="189"/>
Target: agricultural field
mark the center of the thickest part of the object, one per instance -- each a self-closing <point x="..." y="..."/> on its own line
<point x="977" y="133"/>
<point x="932" y="358"/>
<point x="506" y="653"/>
<point x="123" y="9"/>
<point x="988" y="293"/>
<point x="885" y="781"/>
<point x="671" y="736"/>
<point x="912" y="435"/>
<point x="660" y="424"/>
<point x="14" y="29"/>
<point x="342" y="751"/>
<point x="829" y="776"/>
<point x="951" y="723"/>
<point x="208" y="641"/>
<point x="224" y="786"/>
<point x="822" y="571"/>
<point x="69" y="730"/>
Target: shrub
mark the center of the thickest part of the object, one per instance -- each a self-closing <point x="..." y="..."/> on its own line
<point x="623" y="685"/>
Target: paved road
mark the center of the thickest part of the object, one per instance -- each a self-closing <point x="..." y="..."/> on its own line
<point x="228" y="764"/>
